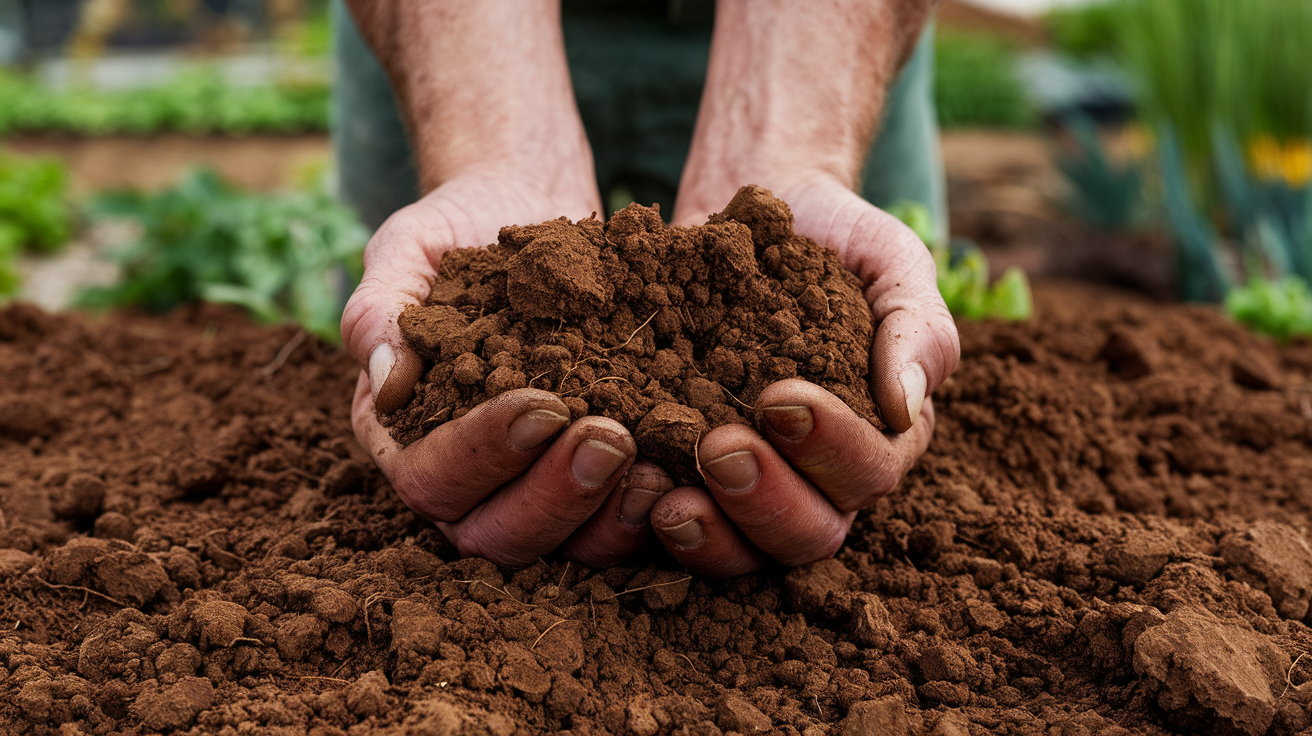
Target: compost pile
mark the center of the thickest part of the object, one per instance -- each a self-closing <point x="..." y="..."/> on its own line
<point x="670" y="331"/>
<point x="1107" y="536"/>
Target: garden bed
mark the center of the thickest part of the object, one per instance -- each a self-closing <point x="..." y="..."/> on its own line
<point x="1106" y="536"/>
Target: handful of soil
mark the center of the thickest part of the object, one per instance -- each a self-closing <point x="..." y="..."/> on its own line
<point x="670" y="331"/>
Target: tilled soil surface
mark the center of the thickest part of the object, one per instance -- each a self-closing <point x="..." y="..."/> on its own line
<point x="1107" y="536"/>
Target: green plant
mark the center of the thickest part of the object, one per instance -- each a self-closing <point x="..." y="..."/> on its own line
<point x="1281" y="307"/>
<point x="197" y="100"/>
<point x="1108" y="195"/>
<point x="963" y="275"/>
<point x="975" y="82"/>
<point x="34" y="212"/>
<point x="1084" y="31"/>
<point x="290" y="256"/>
<point x="1207" y="63"/>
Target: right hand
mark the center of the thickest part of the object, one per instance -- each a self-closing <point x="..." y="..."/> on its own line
<point x="513" y="479"/>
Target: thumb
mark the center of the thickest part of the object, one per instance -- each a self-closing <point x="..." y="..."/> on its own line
<point x="398" y="272"/>
<point x="916" y="341"/>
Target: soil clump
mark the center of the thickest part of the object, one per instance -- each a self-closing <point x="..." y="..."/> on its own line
<point x="1107" y="536"/>
<point x="670" y="331"/>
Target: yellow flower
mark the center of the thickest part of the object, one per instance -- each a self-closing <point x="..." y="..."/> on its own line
<point x="1290" y="162"/>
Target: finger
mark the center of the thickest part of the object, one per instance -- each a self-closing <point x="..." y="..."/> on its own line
<point x="781" y="513"/>
<point x="620" y="526"/>
<point x="399" y="266"/>
<point x="916" y="343"/>
<point x="453" y="468"/>
<point x="698" y="534"/>
<point x="843" y="455"/>
<point x="535" y="513"/>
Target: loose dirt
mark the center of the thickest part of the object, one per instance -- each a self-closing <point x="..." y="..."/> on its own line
<point x="670" y="331"/>
<point x="1108" y="535"/>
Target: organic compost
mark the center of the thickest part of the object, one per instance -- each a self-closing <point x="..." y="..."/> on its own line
<point x="1108" y="535"/>
<point x="670" y="331"/>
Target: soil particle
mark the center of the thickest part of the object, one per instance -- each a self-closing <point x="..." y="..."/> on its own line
<point x="1273" y="557"/>
<point x="671" y="331"/>
<point x="1079" y="552"/>
<point x="1208" y="670"/>
<point x="736" y="714"/>
<point x="174" y="706"/>
<point x="367" y="696"/>
<point x="882" y="716"/>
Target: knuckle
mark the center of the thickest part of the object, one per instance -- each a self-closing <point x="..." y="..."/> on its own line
<point x="426" y="499"/>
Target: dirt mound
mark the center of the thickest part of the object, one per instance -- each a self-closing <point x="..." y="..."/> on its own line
<point x="670" y="331"/>
<point x="1107" y="536"/>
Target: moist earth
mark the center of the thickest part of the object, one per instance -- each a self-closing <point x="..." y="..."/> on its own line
<point x="670" y="331"/>
<point x="1108" y="535"/>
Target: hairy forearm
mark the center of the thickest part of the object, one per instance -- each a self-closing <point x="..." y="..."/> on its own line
<point x="795" y="89"/>
<point x="483" y="86"/>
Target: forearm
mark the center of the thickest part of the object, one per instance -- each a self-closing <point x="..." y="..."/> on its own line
<point x="794" y="90"/>
<point x="484" y="87"/>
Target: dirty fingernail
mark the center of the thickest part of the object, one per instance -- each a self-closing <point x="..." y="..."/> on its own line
<point x="595" y="462"/>
<point x="635" y="505"/>
<point x="380" y="367"/>
<point x="736" y="471"/>
<point x="688" y="535"/>
<point x="399" y="373"/>
<point x="913" y="387"/>
<point x="534" y="427"/>
<point x="790" y="422"/>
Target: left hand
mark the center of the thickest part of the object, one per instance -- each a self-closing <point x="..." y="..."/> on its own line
<point x="791" y="495"/>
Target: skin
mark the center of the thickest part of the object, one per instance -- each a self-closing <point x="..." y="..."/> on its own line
<point x="792" y="100"/>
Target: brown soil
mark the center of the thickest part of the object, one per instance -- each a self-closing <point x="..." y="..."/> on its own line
<point x="1007" y="195"/>
<point x="1107" y="536"/>
<point x="670" y="331"/>
<point x="158" y="161"/>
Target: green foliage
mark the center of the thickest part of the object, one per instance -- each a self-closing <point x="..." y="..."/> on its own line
<point x="975" y="83"/>
<point x="1203" y="63"/>
<point x="196" y="101"/>
<point x="963" y="277"/>
<point x="1281" y="308"/>
<point x="34" y="212"/>
<point x="1201" y="273"/>
<point x="282" y="256"/>
<point x="1084" y="31"/>
<point x="1107" y="195"/>
<point x="313" y="36"/>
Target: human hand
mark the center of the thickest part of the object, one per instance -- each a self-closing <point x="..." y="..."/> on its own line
<point x="791" y="495"/>
<point x="513" y="479"/>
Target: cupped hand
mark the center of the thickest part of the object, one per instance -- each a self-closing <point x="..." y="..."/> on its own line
<point x="790" y="495"/>
<point x="513" y="479"/>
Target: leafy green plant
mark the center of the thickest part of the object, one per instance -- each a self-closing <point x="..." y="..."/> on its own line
<point x="34" y="211"/>
<point x="290" y="256"/>
<point x="1107" y="194"/>
<point x="963" y="274"/>
<point x="197" y="101"/>
<point x="1228" y="91"/>
<point x="976" y="84"/>
<point x="1281" y="307"/>
<point x="1207" y="63"/>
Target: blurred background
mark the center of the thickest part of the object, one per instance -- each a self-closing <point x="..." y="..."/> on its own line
<point x="154" y="152"/>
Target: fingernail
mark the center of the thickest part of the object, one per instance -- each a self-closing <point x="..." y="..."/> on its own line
<point x="534" y="427"/>
<point x="595" y="462"/>
<point x="790" y="422"/>
<point x="381" y="361"/>
<point x="635" y="505"/>
<point x="736" y="471"/>
<point x="688" y="535"/>
<point x="913" y="387"/>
